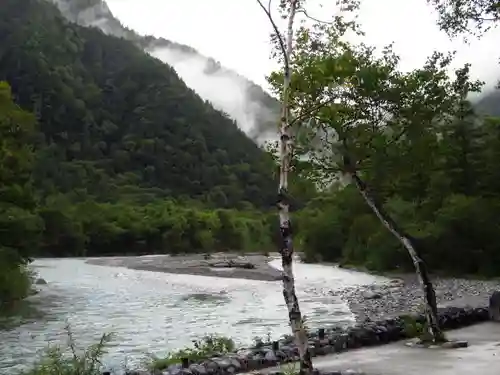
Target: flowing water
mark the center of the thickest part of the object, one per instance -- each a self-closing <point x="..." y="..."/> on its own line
<point x="152" y="313"/>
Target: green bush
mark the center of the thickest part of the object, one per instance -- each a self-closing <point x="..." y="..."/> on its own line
<point x="201" y="349"/>
<point x="69" y="360"/>
<point x="98" y="229"/>
<point x="15" y="279"/>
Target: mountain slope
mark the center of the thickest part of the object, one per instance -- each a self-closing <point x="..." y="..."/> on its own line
<point x="255" y="111"/>
<point x="489" y="103"/>
<point x="114" y="118"/>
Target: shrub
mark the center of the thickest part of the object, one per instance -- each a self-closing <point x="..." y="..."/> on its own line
<point x="201" y="349"/>
<point x="15" y="279"/>
<point x="70" y="361"/>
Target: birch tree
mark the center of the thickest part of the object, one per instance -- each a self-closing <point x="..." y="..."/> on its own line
<point x="356" y="106"/>
<point x="470" y="16"/>
<point x="289" y="7"/>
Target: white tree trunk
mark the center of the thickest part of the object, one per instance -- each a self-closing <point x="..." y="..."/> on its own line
<point x="286" y="248"/>
<point x="286" y="245"/>
<point x="425" y="282"/>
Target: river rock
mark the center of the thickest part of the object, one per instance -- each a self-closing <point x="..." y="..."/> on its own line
<point x="270" y="357"/>
<point x="335" y="340"/>
<point x="40" y="281"/>
<point x="372" y="295"/>
<point x="396" y="283"/>
<point x="494" y="306"/>
<point x="198" y="369"/>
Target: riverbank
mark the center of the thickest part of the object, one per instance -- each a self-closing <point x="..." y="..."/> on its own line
<point x="322" y="343"/>
<point x="226" y="265"/>
<point x="403" y="295"/>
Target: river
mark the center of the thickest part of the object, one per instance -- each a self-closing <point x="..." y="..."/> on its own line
<point x="152" y="313"/>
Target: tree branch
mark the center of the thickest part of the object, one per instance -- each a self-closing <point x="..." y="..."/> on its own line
<point x="275" y="28"/>
<point x="311" y="110"/>
<point x="303" y="11"/>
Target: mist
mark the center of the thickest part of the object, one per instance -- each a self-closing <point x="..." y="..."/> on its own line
<point x="223" y="89"/>
<point x="234" y="95"/>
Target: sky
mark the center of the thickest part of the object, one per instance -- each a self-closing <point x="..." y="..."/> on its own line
<point x="236" y="32"/>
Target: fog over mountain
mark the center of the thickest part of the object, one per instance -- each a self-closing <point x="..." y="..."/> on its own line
<point x="254" y="110"/>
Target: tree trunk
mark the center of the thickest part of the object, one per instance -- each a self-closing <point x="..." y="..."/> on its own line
<point x="286" y="245"/>
<point x="420" y="267"/>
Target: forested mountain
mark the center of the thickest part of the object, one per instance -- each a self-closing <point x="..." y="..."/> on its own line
<point x="489" y="103"/>
<point x="256" y="111"/>
<point x="258" y="105"/>
<point x="113" y="119"/>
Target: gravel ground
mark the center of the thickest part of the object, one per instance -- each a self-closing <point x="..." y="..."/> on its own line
<point x="404" y="295"/>
<point x="196" y="264"/>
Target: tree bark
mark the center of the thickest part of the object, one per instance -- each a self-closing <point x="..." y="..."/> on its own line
<point x="420" y="267"/>
<point x="286" y="247"/>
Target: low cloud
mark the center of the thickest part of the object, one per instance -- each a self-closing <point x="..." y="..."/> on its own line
<point x="224" y="89"/>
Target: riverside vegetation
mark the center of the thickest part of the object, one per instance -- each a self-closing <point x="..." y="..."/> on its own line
<point x="109" y="152"/>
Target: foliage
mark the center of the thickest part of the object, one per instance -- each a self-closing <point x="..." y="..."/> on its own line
<point x="20" y="227"/>
<point x="289" y="368"/>
<point x="116" y="122"/>
<point x="204" y="348"/>
<point x="104" y="150"/>
<point x="93" y="229"/>
<point x="413" y="328"/>
<point x="70" y="360"/>
<point x="476" y="16"/>
<point x="453" y="218"/>
<point x="15" y="281"/>
<point x="416" y="142"/>
<point x="259" y="342"/>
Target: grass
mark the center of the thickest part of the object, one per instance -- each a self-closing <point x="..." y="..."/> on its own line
<point x="290" y="368"/>
<point x="412" y="328"/>
<point x="69" y="360"/>
<point x="207" y="347"/>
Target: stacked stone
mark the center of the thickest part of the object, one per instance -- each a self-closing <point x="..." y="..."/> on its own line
<point x="323" y="342"/>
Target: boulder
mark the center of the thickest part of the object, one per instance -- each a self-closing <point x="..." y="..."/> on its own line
<point x="40" y="281"/>
<point x="395" y="283"/>
<point x="372" y="294"/>
<point x="494" y="306"/>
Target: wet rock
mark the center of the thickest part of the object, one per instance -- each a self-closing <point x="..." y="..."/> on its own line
<point x="372" y="295"/>
<point x="371" y="332"/>
<point x="211" y="367"/>
<point x="396" y="283"/>
<point x="270" y="357"/>
<point x="494" y="306"/>
<point x="40" y="281"/>
<point x="198" y="369"/>
<point x="455" y="344"/>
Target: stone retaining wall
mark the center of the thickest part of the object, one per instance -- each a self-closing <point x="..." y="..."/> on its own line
<point x="323" y="342"/>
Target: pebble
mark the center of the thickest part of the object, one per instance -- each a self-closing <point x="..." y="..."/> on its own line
<point x="404" y="296"/>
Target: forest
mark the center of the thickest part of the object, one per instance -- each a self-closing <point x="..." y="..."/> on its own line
<point x="104" y="151"/>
